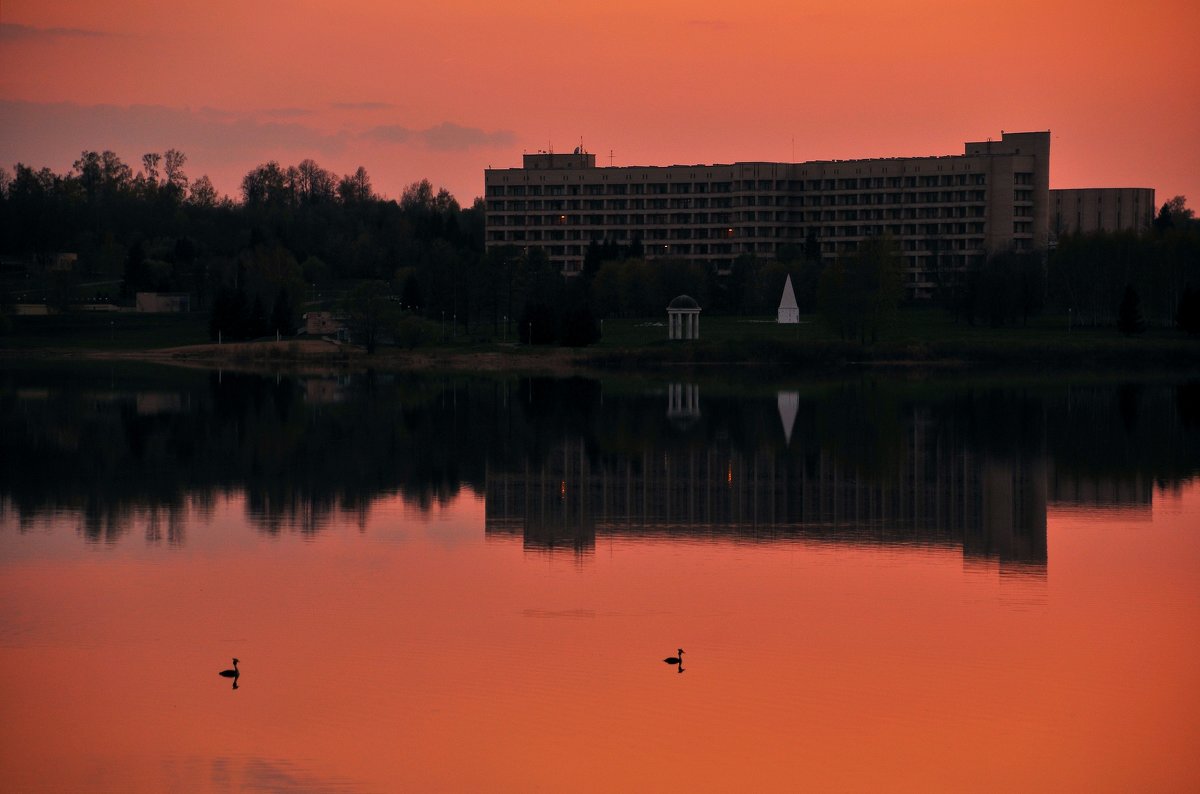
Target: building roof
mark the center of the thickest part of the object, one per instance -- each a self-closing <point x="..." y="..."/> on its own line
<point x="788" y="300"/>
<point x="683" y="302"/>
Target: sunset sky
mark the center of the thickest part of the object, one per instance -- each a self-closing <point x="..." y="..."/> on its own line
<point x="443" y="90"/>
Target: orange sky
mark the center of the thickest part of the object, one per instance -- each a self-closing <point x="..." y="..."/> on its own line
<point x="443" y="90"/>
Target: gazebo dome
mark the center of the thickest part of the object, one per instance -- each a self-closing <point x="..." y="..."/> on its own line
<point x="683" y="302"/>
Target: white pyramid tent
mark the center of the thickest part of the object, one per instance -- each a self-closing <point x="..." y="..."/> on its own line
<point x="788" y="311"/>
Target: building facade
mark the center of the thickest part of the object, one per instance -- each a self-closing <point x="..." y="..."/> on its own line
<point x="1101" y="209"/>
<point x="944" y="212"/>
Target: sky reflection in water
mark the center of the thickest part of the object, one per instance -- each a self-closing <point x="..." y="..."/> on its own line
<point x="968" y="590"/>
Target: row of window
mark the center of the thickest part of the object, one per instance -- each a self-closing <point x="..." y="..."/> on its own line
<point x="918" y="236"/>
<point x="919" y="269"/>
<point x="748" y="185"/>
<point x="825" y="200"/>
<point x="690" y="219"/>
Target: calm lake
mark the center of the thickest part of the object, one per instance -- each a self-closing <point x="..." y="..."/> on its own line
<point x="470" y="584"/>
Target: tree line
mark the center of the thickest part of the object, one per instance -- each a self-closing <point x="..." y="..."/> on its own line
<point x="1155" y="275"/>
<point x="301" y="236"/>
<point x="295" y="234"/>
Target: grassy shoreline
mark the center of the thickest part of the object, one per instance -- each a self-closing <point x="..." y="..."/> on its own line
<point x="919" y="339"/>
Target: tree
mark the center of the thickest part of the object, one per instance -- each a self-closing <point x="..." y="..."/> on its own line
<point x="150" y="163"/>
<point x="371" y="313"/>
<point x="315" y="271"/>
<point x="203" y="194"/>
<point x="227" y="320"/>
<point x="417" y="196"/>
<point x="538" y="324"/>
<point x="577" y="325"/>
<point x="1006" y="286"/>
<point x="1173" y="214"/>
<point x="860" y="294"/>
<point x="102" y="174"/>
<point x="355" y="188"/>
<point x="1129" y="315"/>
<point x="283" y="318"/>
<point x="265" y="184"/>
<point x="313" y="184"/>
<point x="137" y="275"/>
<point x="176" y="180"/>
<point x="410" y="294"/>
<point x="1187" y="316"/>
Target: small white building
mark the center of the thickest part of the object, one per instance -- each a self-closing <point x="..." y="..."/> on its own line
<point x="789" y="312"/>
<point x="325" y="324"/>
<point x="683" y="317"/>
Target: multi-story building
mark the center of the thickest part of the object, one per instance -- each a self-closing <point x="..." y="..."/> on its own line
<point x="944" y="212"/>
<point x="1101" y="209"/>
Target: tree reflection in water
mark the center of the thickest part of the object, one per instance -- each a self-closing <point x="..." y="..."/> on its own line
<point x="562" y="461"/>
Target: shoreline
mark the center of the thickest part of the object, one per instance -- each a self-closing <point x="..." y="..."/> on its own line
<point x="324" y="357"/>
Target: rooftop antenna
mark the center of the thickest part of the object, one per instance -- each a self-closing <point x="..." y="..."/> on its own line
<point x="610" y="156"/>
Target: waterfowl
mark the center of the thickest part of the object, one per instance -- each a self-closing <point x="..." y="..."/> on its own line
<point x="231" y="673"/>
<point x="675" y="659"/>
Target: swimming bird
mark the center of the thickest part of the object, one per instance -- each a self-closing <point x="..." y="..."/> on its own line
<point x="231" y="673"/>
<point x="675" y="659"/>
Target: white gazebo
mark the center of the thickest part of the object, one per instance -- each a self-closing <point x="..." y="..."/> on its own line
<point x="683" y="317"/>
<point x="789" y="312"/>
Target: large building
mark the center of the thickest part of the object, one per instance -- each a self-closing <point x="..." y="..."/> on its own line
<point x="1101" y="209"/>
<point x="944" y="212"/>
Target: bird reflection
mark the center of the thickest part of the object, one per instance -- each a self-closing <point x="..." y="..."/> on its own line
<point x="676" y="660"/>
<point x="234" y="673"/>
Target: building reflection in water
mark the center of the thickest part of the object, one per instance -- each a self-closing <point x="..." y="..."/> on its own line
<point x="966" y="466"/>
<point x="934" y="495"/>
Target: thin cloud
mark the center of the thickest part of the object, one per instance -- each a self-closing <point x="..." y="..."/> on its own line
<point x="445" y="137"/>
<point x="47" y="132"/>
<point x="389" y="133"/>
<point x="451" y="136"/>
<point x="13" y="32"/>
<point x="361" y="105"/>
<point x="286" y="112"/>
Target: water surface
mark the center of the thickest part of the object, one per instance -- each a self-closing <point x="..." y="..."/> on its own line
<point x="470" y="584"/>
